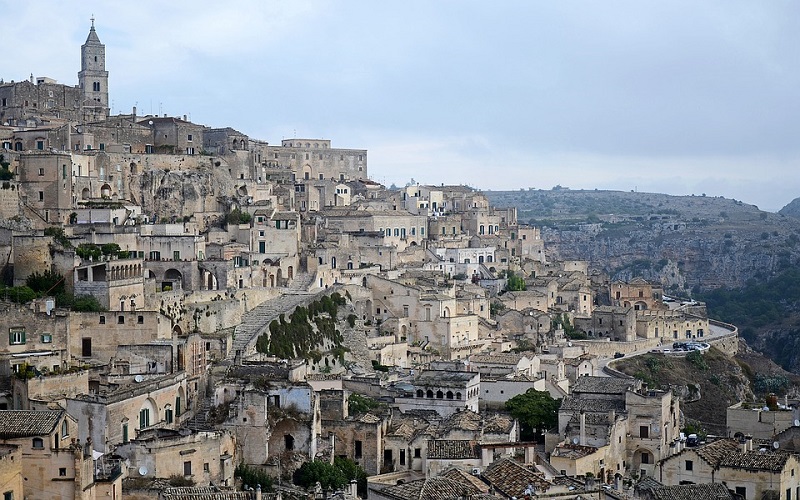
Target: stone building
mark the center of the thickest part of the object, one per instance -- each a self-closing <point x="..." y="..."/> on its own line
<point x="32" y="102"/>
<point x="638" y="293"/>
<point x="315" y="159"/>
<point x="747" y="469"/>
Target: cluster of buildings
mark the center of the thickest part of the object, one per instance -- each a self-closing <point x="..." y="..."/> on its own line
<point x="197" y="244"/>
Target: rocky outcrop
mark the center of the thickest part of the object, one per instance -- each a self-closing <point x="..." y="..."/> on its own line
<point x="684" y="242"/>
<point x="792" y="209"/>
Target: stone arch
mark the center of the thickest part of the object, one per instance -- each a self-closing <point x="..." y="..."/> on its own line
<point x="85" y="194"/>
<point x="449" y="395"/>
<point x="134" y="169"/>
<point x="333" y="262"/>
<point x="640" y="305"/>
<point x="105" y="191"/>
<point x="446" y="312"/>
<point x="429" y="394"/>
<point x="642" y="456"/>
<point x="290" y="272"/>
<point x="148" y="413"/>
<point x="173" y="278"/>
<point x="242" y="191"/>
<point x="420" y="393"/>
<point x="278" y="277"/>
<point x="439" y="394"/>
<point x="177" y="330"/>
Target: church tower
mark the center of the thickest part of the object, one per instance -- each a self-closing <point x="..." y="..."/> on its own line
<point x="93" y="79"/>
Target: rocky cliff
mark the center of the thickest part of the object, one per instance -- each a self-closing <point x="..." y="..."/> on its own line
<point x="684" y="242"/>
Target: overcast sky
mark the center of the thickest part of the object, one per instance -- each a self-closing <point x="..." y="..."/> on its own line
<point x="675" y="97"/>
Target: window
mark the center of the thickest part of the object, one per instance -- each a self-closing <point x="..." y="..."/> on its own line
<point x="102" y="320"/>
<point x="47" y="338"/>
<point x="644" y="431"/>
<point x="8" y="495"/>
<point x="741" y="491"/>
<point x="645" y="457"/>
<point x="64" y="429"/>
<point x="41" y="171"/>
<point x="41" y="195"/>
<point x="144" y="418"/>
<point x="37" y="444"/>
<point x="206" y="467"/>
<point x="40" y="145"/>
<point x="125" y="438"/>
<point x="689" y="465"/>
<point x="139" y="320"/>
<point x="168" y="415"/>
<point x="16" y="336"/>
<point x="288" y="442"/>
<point x="62" y="472"/>
<point x="358" y="450"/>
<point x="417" y="452"/>
<point x="187" y="468"/>
<point x="96" y="86"/>
<point x="189" y="137"/>
<point x="402" y="457"/>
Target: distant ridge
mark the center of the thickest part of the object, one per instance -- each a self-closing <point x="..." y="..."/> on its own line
<point x="792" y="209"/>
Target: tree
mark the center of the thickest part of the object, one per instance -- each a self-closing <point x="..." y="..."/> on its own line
<point x="535" y="410"/>
<point x="328" y="475"/>
<point x="515" y="283"/>
<point x="46" y="283"/>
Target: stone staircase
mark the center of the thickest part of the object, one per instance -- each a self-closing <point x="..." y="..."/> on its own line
<point x="257" y="320"/>
<point x="199" y="421"/>
<point x="301" y="283"/>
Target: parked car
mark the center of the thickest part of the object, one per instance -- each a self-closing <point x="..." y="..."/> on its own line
<point x="618" y="355"/>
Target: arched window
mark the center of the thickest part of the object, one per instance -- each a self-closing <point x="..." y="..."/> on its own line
<point x="458" y="395"/>
<point x="439" y="395"/>
<point x="420" y="393"/>
<point x="429" y="393"/>
<point x="449" y="395"/>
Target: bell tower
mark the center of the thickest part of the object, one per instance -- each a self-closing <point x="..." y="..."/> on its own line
<point x="93" y="79"/>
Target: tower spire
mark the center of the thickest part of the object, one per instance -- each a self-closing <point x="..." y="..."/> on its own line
<point x="92" y="19"/>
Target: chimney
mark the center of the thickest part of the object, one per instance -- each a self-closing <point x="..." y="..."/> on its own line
<point x="743" y="446"/>
<point x="748" y="439"/>
<point x="184" y="117"/>
<point x="354" y="488"/>
<point x="583" y="428"/>
<point x="258" y="492"/>
<point x="134" y="112"/>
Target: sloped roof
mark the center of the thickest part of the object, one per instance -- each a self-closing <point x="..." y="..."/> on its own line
<point x="204" y="493"/>
<point x="435" y="488"/>
<point x="24" y="423"/>
<point x="453" y="449"/>
<point x="756" y="460"/>
<point x="459" y="475"/>
<point x="603" y="385"/>
<point x="710" y="491"/>
<point x="513" y="479"/>
<point x="714" y="452"/>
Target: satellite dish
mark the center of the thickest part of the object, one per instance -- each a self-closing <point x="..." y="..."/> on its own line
<point x="142" y="470"/>
<point x="574" y="440"/>
<point x="796" y="423"/>
<point x="776" y="445"/>
<point x="138" y="378"/>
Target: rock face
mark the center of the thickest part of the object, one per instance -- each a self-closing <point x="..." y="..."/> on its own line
<point x="171" y="195"/>
<point x="792" y="209"/>
<point x="684" y="242"/>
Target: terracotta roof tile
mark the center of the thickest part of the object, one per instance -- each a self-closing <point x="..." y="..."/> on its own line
<point x="23" y="423"/>
<point x="453" y="449"/>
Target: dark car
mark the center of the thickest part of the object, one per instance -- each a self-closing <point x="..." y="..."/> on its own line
<point x="618" y="355"/>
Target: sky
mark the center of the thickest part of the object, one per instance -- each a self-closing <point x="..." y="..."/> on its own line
<point x="677" y="97"/>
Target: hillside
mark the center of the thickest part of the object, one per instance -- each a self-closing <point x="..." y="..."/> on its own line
<point x="792" y="209"/>
<point x="688" y="243"/>
<point x="708" y="384"/>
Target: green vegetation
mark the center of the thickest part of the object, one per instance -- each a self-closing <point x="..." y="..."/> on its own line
<point x="236" y="216"/>
<point x="379" y="367"/>
<point x="85" y="303"/>
<point x="766" y="314"/>
<point x="514" y="283"/>
<point x="535" y="410"/>
<point x="253" y="477"/>
<point x="46" y="283"/>
<point x="19" y="294"/>
<point x="306" y="329"/>
<point x="696" y="358"/>
<point x="335" y="476"/>
<point x="562" y="321"/>
<point x="357" y="404"/>
<point x="5" y="173"/>
<point x="58" y="236"/>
